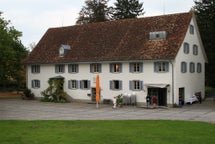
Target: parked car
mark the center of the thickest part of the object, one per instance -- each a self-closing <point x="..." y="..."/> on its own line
<point x="192" y="100"/>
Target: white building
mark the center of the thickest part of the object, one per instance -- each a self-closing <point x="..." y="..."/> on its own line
<point x="161" y="56"/>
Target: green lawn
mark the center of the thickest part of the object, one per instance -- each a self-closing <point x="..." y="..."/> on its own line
<point x="106" y="132"/>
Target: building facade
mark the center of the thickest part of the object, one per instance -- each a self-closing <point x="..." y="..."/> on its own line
<point x="159" y="56"/>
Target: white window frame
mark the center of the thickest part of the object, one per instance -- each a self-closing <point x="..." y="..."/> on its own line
<point x="85" y="84"/>
<point x="161" y="67"/>
<point x="115" y="67"/>
<point x="116" y="85"/>
<point x="195" y="50"/>
<point x="95" y="68"/>
<point x="183" y="67"/>
<point x="59" y="68"/>
<point x="136" y="85"/>
<point x="199" y="68"/>
<point x="35" y="69"/>
<point x="191" y="29"/>
<point x="73" y="84"/>
<point x="192" y="67"/>
<point x="73" y="68"/>
<point x="35" y="84"/>
<point x="186" y="48"/>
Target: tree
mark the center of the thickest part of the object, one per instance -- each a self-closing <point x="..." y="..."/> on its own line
<point x="55" y="92"/>
<point x="12" y="53"/>
<point x="205" y="12"/>
<point x="94" y="11"/>
<point x="127" y="9"/>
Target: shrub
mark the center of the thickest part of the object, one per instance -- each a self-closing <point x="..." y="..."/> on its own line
<point x="28" y="94"/>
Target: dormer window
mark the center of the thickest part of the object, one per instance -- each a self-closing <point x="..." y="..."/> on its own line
<point x="158" y="35"/>
<point x="63" y="49"/>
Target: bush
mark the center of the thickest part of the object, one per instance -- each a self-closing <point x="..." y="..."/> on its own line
<point x="28" y="94"/>
<point x="54" y="93"/>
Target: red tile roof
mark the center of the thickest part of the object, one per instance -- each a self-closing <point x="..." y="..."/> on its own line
<point x="121" y="40"/>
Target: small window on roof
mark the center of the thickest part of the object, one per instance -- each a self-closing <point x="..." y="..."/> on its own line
<point x="158" y="35"/>
<point x="63" y="49"/>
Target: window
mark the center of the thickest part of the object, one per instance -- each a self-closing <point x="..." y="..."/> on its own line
<point x="192" y="67"/>
<point x="158" y="35"/>
<point x="183" y="67"/>
<point x="95" y="68"/>
<point x="60" y="68"/>
<point x="186" y="48"/>
<point x="35" y="84"/>
<point x="73" y="84"/>
<point x="84" y="84"/>
<point x="195" y="50"/>
<point x="161" y="66"/>
<point x="199" y="67"/>
<point x="136" y="85"/>
<point x="136" y="67"/>
<point x="191" y="29"/>
<point x="63" y="50"/>
<point x="115" y="85"/>
<point x="115" y="68"/>
<point x="73" y="68"/>
<point x="35" y="69"/>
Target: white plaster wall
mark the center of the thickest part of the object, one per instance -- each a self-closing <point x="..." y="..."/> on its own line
<point x="148" y="77"/>
<point x="192" y="82"/>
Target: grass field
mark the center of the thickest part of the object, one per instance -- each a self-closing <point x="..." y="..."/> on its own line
<point x="106" y="132"/>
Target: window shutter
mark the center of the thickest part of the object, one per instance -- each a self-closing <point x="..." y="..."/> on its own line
<point x="39" y="83"/>
<point x="111" y="68"/>
<point x="167" y="67"/>
<point x="91" y="68"/>
<point x="120" y="68"/>
<point x="100" y="68"/>
<point x="120" y="85"/>
<point x="141" y="67"/>
<point x="69" y="68"/>
<point x="155" y="67"/>
<point x="88" y="84"/>
<point x="131" y="85"/>
<point x="56" y="68"/>
<point x="141" y="85"/>
<point x="111" y="85"/>
<point x="63" y="68"/>
<point x="32" y="83"/>
<point x="131" y="68"/>
<point x="77" y="84"/>
<point x="77" y="68"/>
<point x="81" y="84"/>
<point x="69" y="84"/>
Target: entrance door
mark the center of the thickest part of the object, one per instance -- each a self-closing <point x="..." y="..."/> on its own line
<point x="160" y="93"/>
<point x="93" y="94"/>
<point x="181" y="94"/>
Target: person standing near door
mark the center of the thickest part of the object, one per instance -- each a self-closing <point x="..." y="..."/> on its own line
<point x="154" y="101"/>
<point x="148" y="101"/>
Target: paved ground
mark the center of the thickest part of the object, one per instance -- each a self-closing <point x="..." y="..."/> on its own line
<point x="17" y="109"/>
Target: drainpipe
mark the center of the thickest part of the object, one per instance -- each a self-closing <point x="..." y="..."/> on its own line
<point x="172" y="83"/>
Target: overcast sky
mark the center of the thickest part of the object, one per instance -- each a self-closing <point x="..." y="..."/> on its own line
<point x="34" y="17"/>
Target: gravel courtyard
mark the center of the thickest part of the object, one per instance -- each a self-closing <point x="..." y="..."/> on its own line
<point x="17" y="109"/>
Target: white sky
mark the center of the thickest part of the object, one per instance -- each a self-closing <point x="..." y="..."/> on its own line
<point x="34" y="17"/>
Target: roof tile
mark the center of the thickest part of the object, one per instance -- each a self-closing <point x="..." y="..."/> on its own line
<point x="113" y="41"/>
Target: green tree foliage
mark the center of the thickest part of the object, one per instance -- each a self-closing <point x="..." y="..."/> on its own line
<point x="94" y="11"/>
<point x="12" y="53"/>
<point x="205" y="12"/>
<point x="127" y="9"/>
<point x="55" y="91"/>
